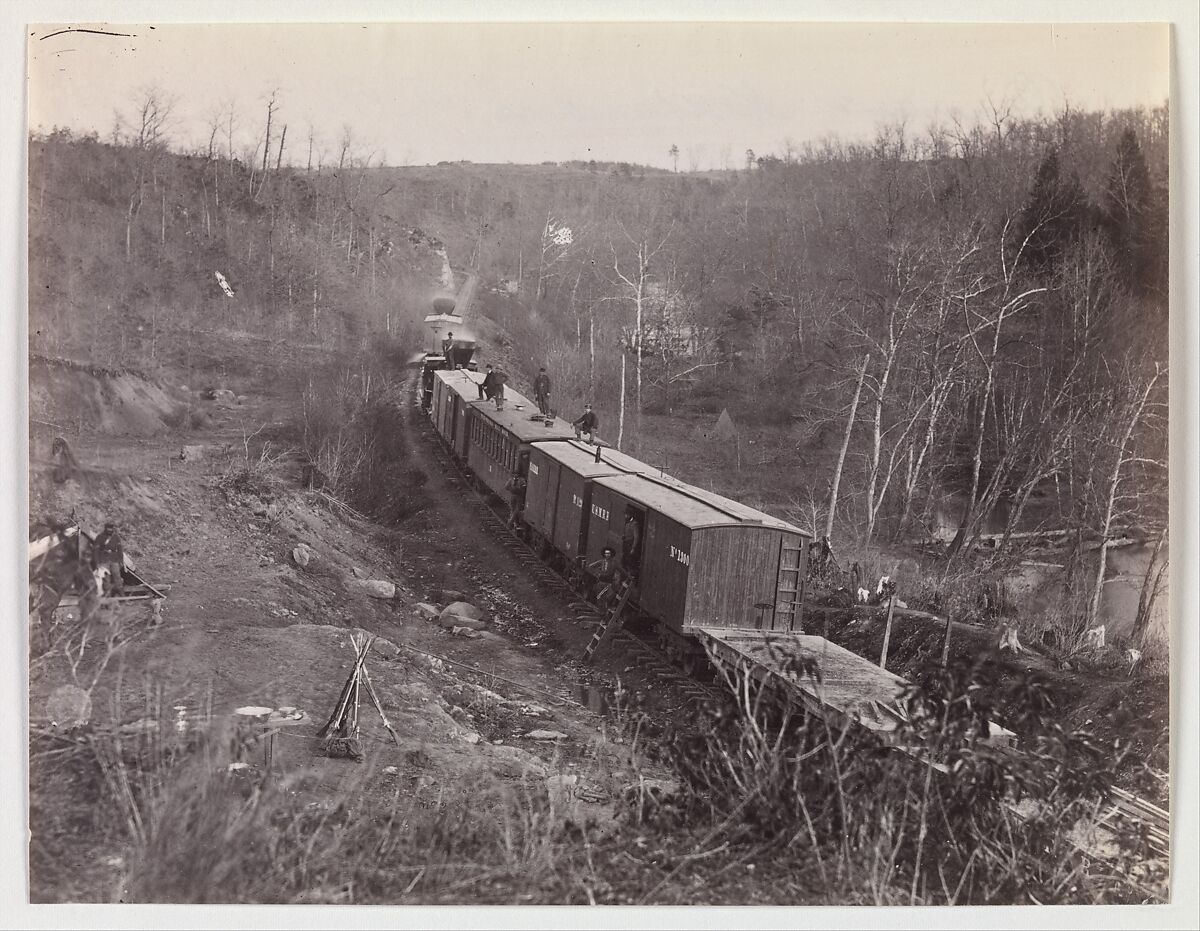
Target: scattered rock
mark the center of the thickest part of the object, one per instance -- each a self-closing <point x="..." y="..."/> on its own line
<point x="69" y="706"/>
<point x="191" y="453"/>
<point x="467" y="632"/>
<point x="391" y="770"/>
<point x="358" y="573"/>
<point x="373" y="588"/>
<point x="303" y="555"/>
<point x="546" y="735"/>
<point x="241" y="399"/>
<point x="416" y="691"/>
<point x="427" y="611"/>
<point x="449" y="595"/>
<point x="462" y="609"/>
<point x="451" y="621"/>
<point x="658" y="789"/>
<point x="581" y="805"/>
<point x="513" y="761"/>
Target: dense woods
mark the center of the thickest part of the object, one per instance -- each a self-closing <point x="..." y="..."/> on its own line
<point x="975" y="313"/>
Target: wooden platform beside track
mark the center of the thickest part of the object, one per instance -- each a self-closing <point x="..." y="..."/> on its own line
<point x="820" y="675"/>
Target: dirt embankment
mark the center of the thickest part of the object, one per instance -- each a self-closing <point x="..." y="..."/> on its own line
<point x="80" y="398"/>
<point x="245" y="624"/>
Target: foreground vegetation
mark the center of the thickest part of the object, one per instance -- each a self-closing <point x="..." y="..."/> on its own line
<point x="765" y="809"/>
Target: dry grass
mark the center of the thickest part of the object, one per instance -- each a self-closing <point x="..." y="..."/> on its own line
<point x="769" y="809"/>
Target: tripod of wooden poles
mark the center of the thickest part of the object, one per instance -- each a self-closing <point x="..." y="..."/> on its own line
<point x="341" y="731"/>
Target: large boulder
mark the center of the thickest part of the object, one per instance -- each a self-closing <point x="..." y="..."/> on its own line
<point x="373" y="588"/>
<point x="461" y="614"/>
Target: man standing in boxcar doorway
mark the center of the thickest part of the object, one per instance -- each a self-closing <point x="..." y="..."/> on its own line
<point x="631" y="545"/>
<point x="607" y="574"/>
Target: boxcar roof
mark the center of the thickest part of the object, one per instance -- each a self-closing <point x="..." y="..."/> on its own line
<point x="678" y="502"/>
<point x="579" y="458"/>
<point x="461" y="381"/>
<point x="517" y="421"/>
<point x="735" y="508"/>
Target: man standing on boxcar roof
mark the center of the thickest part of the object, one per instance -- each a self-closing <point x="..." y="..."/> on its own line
<point x="541" y="391"/>
<point x="498" y="391"/>
<point x="448" y="350"/>
<point x="487" y="387"/>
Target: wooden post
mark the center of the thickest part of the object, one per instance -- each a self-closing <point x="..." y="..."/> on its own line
<point x="946" y="642"/>
<point x="887" y="632"/>
<point x="799" y="619"/>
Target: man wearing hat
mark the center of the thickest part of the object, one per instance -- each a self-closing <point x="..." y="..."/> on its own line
<point x="541" y="391"/>
<point x="447" y="349"/>
<point x="108" y="553"/>
<point x="587" y="422"/>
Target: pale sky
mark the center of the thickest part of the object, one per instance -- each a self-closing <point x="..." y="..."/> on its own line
<point x="524" y="92"/>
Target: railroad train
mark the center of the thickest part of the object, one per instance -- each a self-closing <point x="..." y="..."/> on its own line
<point x="694" y="559"/>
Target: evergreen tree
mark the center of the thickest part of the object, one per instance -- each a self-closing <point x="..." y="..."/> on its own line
<point x="1135" y="220"/>
<point x="1054" y="216"/>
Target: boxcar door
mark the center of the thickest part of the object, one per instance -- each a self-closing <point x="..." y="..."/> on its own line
<point x="789" y="584"/>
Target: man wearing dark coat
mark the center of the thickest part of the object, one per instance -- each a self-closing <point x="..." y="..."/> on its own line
<point x="109" y="553"/>
<point x="541" y="392"/>
<point x="587" y="422"/>
<point x="487" y="387"/>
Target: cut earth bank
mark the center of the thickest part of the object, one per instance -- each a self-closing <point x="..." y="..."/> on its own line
<point x="244" y="624"/>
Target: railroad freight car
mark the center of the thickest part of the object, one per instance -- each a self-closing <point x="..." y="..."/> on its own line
<point x="698" y="562"/>
<point x="497" y="439"/>
<point x="559" y="492"/>
<point x="453" y="394"/>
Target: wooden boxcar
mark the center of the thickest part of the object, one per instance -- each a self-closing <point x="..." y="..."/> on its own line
<point x="559" y="492"/>
<point x="498" y="438"/>
<point x="700" y="562"/>
<point x="453" y="394"/>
